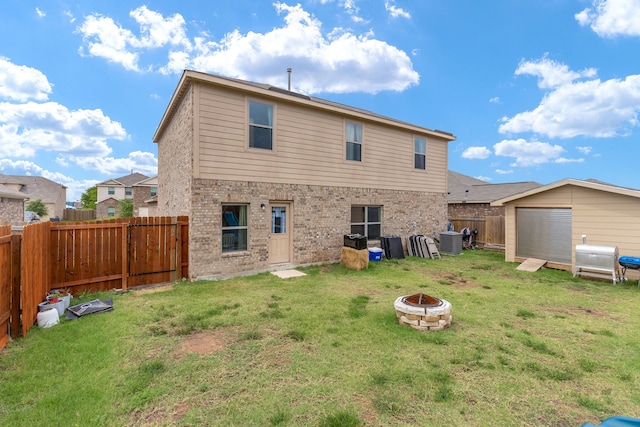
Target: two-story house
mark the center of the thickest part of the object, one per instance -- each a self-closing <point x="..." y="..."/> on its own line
<point x="272" y="178"/>
<point x="135" y="186"/>
<point x="52" y="194"/>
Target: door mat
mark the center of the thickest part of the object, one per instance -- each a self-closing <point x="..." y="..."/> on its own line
<point x="90" y="307"/>
<point x="532" y="264"/>
<point x="285" y="274"/>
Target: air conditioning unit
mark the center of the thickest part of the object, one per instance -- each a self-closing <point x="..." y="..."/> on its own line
<point x="450" y="243"/>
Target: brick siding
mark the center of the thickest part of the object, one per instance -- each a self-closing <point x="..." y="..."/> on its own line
<point x="321" y="216"/>
<point x="12" y="210"/>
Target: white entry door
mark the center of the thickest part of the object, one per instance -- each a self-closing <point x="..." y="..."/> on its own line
<point x="280" y="235"/>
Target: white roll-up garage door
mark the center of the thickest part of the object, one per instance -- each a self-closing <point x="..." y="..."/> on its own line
<point x="544" y="233"/>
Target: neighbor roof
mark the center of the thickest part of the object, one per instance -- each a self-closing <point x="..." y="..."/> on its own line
<point x="465" y="189"/>
<point x="277" y="93"/>
<point x="11" y="193"/>
<point x="590" y="183"/>
<point x="125" y="181"/>
<point x="35" y="187"/>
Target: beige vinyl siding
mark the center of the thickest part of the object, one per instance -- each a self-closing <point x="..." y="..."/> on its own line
<point x="309" y="148"/>
<point x="606" y="218"/>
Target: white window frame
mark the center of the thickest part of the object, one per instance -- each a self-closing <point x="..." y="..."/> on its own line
<point x="355" y="138"/>
<point x="417" y="153"/>
<point x="252" y="124"/>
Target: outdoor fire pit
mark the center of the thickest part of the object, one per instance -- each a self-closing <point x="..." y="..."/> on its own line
<point x="423" y="312"/>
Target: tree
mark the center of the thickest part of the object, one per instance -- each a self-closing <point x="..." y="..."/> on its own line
<point x="125" y="208"/>
<point x="38" y="207"/>
<point x="89" y="198"/>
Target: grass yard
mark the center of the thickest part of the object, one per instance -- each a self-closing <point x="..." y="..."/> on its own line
<point x="524" y="349"/>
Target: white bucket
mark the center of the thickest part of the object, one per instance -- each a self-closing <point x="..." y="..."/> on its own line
<point x="48" y="318"/>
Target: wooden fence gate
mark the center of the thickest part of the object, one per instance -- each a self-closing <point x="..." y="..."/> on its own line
<point x="91" y="257"/>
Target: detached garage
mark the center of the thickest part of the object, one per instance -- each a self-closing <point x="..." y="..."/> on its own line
<point x="549" y="221"/>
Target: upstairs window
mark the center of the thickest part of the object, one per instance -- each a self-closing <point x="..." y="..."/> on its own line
<point x="366" y="221"/>
<point x="154" y="191"/>
<point x="128" y="191"/>
<point x="353" y="137"/>
<point x="260" y="125"/>
<point x="420" y="153"/>
<point x="111" y="190"/>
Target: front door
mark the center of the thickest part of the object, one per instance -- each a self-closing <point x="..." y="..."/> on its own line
<point x="280" y="235"/>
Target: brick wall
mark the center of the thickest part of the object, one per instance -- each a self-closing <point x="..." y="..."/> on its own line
<point x="321" y="216"/>
<point x="102" y="208"/>
<point x="12" y="210"/>
<point x="175" y="161"/>
<point x="139" y="195"/>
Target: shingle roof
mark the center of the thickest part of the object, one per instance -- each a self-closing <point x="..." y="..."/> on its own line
<point x="35" y="187"/>
<point x="465" y="189"/>
<point x="11" y="193"/>
<point x="127" y="180"/>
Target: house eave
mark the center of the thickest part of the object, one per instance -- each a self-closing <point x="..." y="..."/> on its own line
<point x="569" y="181"/>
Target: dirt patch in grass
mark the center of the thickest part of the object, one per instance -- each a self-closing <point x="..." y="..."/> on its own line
<point x="202" y="343"/>
<point x="453" y="279"/>
<point x="151" y="289"/>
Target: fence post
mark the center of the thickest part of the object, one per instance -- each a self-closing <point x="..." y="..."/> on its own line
<point x="16" y="246"/>
<point x="125" y="255"/>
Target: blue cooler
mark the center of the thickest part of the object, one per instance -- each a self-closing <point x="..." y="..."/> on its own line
<point x="375" y="254"/>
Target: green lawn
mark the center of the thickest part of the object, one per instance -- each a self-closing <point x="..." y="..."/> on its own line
<point x="524" y="349"/>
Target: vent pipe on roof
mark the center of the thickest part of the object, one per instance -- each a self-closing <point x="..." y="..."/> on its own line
<point x="289" y="85"/>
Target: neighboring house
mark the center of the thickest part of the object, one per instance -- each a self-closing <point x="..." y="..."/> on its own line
<point x="145" y="197"/>
<point x="470" y="205"/>
<point x="271" y="178"/>
<point x="135" y="186"/>
<point x="52" y="194"/>
<point x="11" y="206"/>
<point x="549" y="221"/>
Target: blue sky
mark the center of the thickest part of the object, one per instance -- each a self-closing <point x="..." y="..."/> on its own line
<point x="533" y="90"/>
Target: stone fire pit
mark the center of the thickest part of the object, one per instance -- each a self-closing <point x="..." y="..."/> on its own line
<point x="423" y="312"/>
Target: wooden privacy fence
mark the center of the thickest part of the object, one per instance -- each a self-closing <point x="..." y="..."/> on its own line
<point x="9" y="285"/>
<point x="92" y="257"/>
<point x="490" y="229"/>
<point x="79" y="215"/>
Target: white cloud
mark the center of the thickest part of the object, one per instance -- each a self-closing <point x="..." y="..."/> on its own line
<point x="337" y="61"/>
<point x="612" y="18"/>
<point x="562" y="160"/>
<point x="476" y="153"/>
<point x="69" y="15"/>
<point x="551" y="74"/>
<point x="22" y="83"/>
<point x="396" y="12"/>
<point x="40" y="13"/>
<point x="571" y="108"/>
<point x="31" y="127"/>
<point x="495" y="100"/>
<point x="528" y="153"/>
<point x="106" y="39"/>
<point x="139" y="161"/>
<point x="584" y="150"/>
<point x="503" y="172"/>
